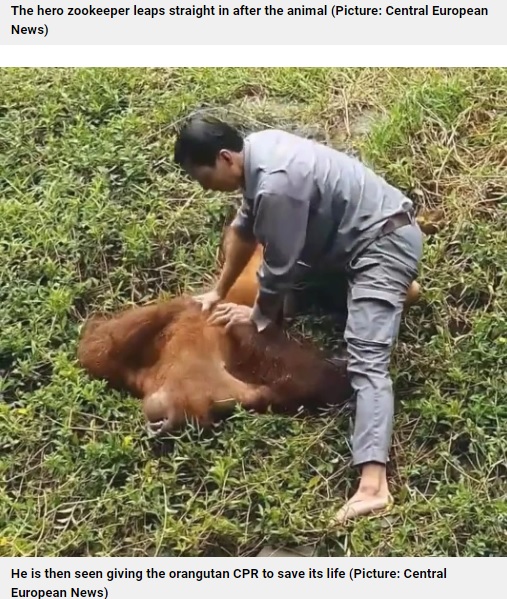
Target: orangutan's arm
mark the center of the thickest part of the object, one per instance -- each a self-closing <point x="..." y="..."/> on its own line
<point x="240" y="245"/>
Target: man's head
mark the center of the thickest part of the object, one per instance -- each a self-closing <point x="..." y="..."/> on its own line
<point x="211" y="152"/>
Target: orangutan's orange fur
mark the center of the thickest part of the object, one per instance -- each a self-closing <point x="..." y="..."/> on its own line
<point x="183" y="368"/>
<point x="245" y="289"/>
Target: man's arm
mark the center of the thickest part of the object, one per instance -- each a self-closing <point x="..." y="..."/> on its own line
<point x="282" y="222"/>
<point x="239" y="244"/>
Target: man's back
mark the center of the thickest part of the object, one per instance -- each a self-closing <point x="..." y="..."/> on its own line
<point x="348" y="201"/>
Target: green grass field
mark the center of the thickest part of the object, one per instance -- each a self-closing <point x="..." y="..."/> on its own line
<point x="93" y="215"/>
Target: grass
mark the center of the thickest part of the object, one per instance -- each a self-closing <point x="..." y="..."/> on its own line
<point x="93" y="215"/>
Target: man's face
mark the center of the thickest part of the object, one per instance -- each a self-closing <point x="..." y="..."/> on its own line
<point x="225" y="175"/>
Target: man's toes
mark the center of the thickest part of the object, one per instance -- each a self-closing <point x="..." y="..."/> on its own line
<point x="363" y="506"/>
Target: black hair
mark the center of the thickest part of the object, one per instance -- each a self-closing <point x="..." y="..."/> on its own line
<point x="200" y="141"/>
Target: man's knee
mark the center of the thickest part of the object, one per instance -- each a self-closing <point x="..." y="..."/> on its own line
<point x="371" y="331"/>
<point x="373" y="319"/>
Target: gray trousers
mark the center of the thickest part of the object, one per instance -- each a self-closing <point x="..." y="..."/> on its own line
<point x="378" y="282"/>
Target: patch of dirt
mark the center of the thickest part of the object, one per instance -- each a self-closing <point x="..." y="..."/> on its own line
<point x="253" y="110"/>
<point x="348" y="122"/>
<point x="250" y="90"/>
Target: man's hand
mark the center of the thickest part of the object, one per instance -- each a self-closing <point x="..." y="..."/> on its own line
<point x="209" y="299"/>
<point x="230" y="314"/>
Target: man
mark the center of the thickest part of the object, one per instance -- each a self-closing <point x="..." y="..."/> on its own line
<point x="309" y="204"/>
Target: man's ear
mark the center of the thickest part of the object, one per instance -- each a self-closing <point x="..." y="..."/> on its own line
<point x="227" y="156"/>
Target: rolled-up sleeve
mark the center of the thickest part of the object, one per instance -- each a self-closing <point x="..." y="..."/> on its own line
<point x="281" y="222"/>
<point x="243" y="222"/>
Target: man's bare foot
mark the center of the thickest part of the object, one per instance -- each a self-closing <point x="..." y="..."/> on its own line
<point x="371" y="497"/>
<point x="363" y="504"/>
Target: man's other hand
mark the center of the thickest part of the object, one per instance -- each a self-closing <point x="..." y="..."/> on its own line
<point x="230" y="314"/>
<point x="208" y="300"/>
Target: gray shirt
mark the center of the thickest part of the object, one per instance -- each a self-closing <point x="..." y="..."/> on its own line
<point x="307" y="203"/>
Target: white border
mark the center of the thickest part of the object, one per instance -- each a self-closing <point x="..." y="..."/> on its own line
<point x="253" y="56"/>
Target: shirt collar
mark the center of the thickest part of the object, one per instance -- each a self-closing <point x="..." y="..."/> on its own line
<point x="249" y="176"/>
